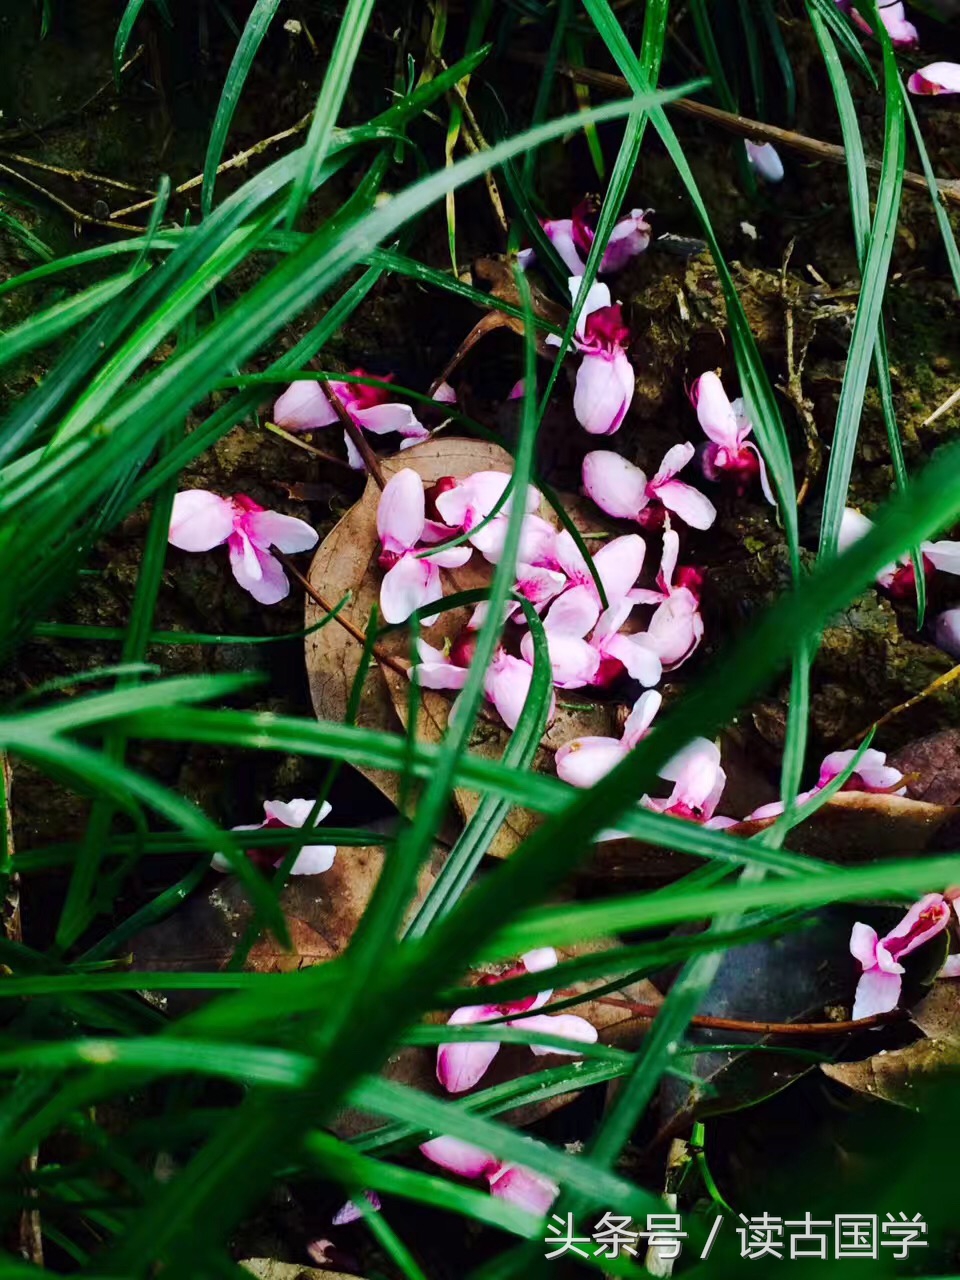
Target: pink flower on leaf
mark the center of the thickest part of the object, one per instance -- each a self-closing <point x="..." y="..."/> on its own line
<point x="726" y="427"/>
<point x="201" y="520"/>
<point x="872" y="774"/>
<point x="584" y="761"/>
<point x="411" y="581"/>
<point x="461" y="1065"/>
<point x="878" y="990"/>
<point x="305" y="406"/>
<point x="312" y="860"/>
<point x="624" y="492"/>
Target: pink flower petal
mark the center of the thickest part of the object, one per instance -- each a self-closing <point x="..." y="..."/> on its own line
<point x="525" y="1189"/>
<point x="674" y="460"/>
<point x="629" y="237"/>
<point x="863" y="942"/>
<point x="304" y="406"/>
<point x="938" y="77"/>
<point x="286" y="533"/>
<point x="572" y="614"/>
<point x="559" y="1024"/>
<point x="506" y="685"/>
<point x="943" y="555"/>
<point x="946" y="632"/>
<point x="538" y="585"/>
<point x="765" y="161"/>
<point x="675" y="630"/>
<point x="351" y="1211"/>
<point x="923" y="921"/>
<point x="200" y="520"/>
<point x="641" y="718"/>
<point x="877" y="992"/>
<point x="584" y="761"/>
<point x="615" y="485"/>
<point x="408" y="586"/>
<point x="765" y="485"/>
<point x="559" y="231"/>
<point x="459" y="1157"/>
<point x="619" y="564"/>
<point x="452" y="557"/>
<point x="692" y="506"/>
<point x="639" y="657"/>
<point x="257" y="571"/>
<point x="539" y="960"/>
<point x="383" y="418"/>
<point x="294" y="813"/>
<point x="951" y="967"/>
<point x="400" y="511"/>
<point x="445" y="394"/>
<point x="603" y="392"/>
<point x="714" y="410"/>
<point x="461" y="1065"/>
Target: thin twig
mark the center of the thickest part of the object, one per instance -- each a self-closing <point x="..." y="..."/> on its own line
<point x="309" y="448"/>
<point x="76" y="214"/>
<point x="935" y="686"/>
<point x="743" y="126"/>
<point x="941" y="409"/>
<point x="386" y="659"/>
<point x="235" y="162"/>
<point x="651" y="1011"/>
<point x="475" y="142"/>
<point x="370" y="459"/>
<point x="75" y="175"/>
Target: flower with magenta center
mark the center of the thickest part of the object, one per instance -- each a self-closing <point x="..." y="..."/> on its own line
<point x="878" y="990"/>
<point x="201" y="520"/>
<point x="727" y="427"/>
<point x="411" y="580"/>
<point x="676" y="628"/>
<point x="899" y="580"/>
<point x="305" y="406"/>
<point x="462" y="1064"/>
<point x="624" y="492"/>
<point x="698" y="780"/>
<point x="937" y="78"/>
<point x="893" y="15"/>
<point x="872" y="774"/>
<point x="291" y="814"/>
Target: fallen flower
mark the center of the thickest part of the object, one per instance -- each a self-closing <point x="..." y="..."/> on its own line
<point x="938" y="77"/>
<point x="894" y="18"/>
<point x="574" y="236"/>
<point x="899" y="580"/>
<point x="507" y="684"/>
<point x="872" y="774"/>
<point x="676" y="628"/>
<point x="623" y="491"/>
<point x="764" y="160"/>
<point x="410" y="581"/>
<point x="946" y="632"/>
<point x="584" y="761"/>
<point x="878" y="990"/>
<point x="351" y="1211"/>
<point x="445" y="394"/>
<point x="305" y="406"/>
<point x="522" y="1187"/>
<point x="698" y="780"/>
<point x="571" y="617"/>
<point x="461" y="1065"/>
<point x="312" y="858"/>
<point x="726" y="427"/>
<point x="605" y="381"/>
<point x="201" y="520"/>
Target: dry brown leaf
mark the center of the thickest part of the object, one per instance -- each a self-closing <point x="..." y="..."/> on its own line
<point x="895" y="1075"/>
<point x="347" y="562"/>
<point x="852" y="827"/>
<point x="933" y="767"/>
<point x="938" y="1013"/>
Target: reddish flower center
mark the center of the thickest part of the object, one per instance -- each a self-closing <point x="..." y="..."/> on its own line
<point x="904" y="580"/>
<point x="581" y="219"/>
<point x="605" y="327"/>
<point x="463" y="648"/>
<point x="357" y="395"/>
<point x="443" y="485"/>
<point x="246" y="504"/>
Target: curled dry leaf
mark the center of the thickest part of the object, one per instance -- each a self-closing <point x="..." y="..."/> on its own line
<point x="347" y="562"/>
<point x="897" y="1075"/>
<point x="268" y="1269"/>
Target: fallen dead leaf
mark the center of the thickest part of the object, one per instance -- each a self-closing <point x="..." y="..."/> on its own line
<point x="897" y="1074"/>
<point x="933" y="766"/>
<point x="852" y="827"/>
<point x="347" y="562"/>
<point x="938" y="1013"/>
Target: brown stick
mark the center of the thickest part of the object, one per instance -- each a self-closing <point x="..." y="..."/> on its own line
<point x="387" y="659"/>
<point x="331" y="458"/>
<point x="76" y="214"/>
<point x="75" y="175"/>
<point x="766" y="1028"/>
<point x="370" y="459"/>
<point x="235" y="162"/>
<point x="743" y="126"/>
